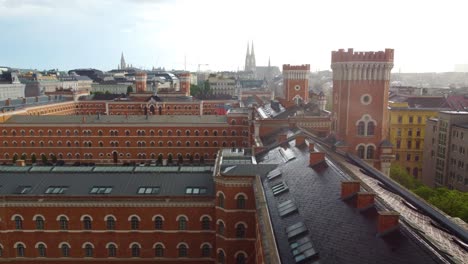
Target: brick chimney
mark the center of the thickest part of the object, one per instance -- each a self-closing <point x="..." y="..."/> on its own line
<point x="387" y="222"/>
<point x="316" y="158"/>
<point x="311" y="147"/>
<point x="349" y="189"/>
<point x="300" y="140"/>
<point x="365" y="200"/>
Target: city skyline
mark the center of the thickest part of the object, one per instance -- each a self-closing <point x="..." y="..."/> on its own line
<point x="47" y="34"/>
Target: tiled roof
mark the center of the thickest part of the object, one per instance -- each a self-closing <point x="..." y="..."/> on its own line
<point x="122" y="183"/>
<point x="338" y="232"/>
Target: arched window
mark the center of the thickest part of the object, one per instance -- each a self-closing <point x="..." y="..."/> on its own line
<point x="182" y="250"/>
<point x="20" y="250"/>
<point x="135" y="223"/>
<point x="221" y="257"/>
<point x="41" y="250"/>
<point x="39" y="223"/>
<point x="158" y="223"/>
<point x="206" y="223"/>
<point x="63" y="223"/>
<point x="221" y="200"/>
<point x="360" y="152"/>
<point x="221" y="228"/>
<point x="415" y="172"/>
<point x="111" y="250"/>
<point x="135" y="250"/>
<point x="240" y="202"/>
<point x="65" y="250"/>
<point x="240" y="231"/>
<point x="159" y="250"/>
<point x="87" y="223"/>
<point x="18" y="222"/>
<point x="110" y="223"/>
<point x="240" y="258"/>
<point x="370" y="152"/>
<point x="370" y="128"/>
<point x="206" y="250"/>
<point x="361" y="128"/>
<point x="88" y="250"/>
<point x="182" y="223"/>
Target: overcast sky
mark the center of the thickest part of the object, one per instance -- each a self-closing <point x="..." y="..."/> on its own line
<point x="426" y="35"/>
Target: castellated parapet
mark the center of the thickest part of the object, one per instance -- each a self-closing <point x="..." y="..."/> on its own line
<point x="362" y="66"/>
<point x="349" y="56"/>
<point x="296" y="72"/>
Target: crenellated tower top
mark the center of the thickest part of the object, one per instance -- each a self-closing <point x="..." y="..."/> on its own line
<point x="350" y="56"/>
<point x="303" y="67"/>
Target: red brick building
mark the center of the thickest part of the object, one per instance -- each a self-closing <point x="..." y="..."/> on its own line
<point x="360" y="104"/>
<point x="295" y="85"/>
<point x="123" y="138"/>
<point x="131" y="214"/>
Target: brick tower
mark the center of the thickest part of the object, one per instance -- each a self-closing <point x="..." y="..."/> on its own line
<point x="360" y="104"/>
<point x="295" y="84"/>
<point x="185" y="83"/>
<point x="140" y="82"/>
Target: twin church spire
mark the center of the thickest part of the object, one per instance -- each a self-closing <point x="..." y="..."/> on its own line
<point x="250" y="64"/>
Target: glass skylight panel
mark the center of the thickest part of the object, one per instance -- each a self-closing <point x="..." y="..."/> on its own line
<point x="148" y="190"/>
<point x="56" y="189"/>
<point x="195" y="190"/>
<point x="23" y="189"/>
<point x="101" y="190"/>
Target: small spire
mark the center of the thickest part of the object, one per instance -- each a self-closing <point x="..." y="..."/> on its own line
<point x="253" y="53"/>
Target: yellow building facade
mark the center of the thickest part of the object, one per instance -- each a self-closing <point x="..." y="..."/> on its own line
<point x="407" y="127"/>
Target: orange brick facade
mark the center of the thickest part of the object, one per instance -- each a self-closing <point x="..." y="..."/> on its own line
<point x="295" y="84"/>
<point x="233" y="207"/>
<point x="360" y="100"/>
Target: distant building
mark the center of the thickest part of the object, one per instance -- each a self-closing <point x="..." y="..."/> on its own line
<point x="445" y="161"/>
<point x="10" y="86"/>
<point x="221" y="85"/>
<point x="407" y="126"/>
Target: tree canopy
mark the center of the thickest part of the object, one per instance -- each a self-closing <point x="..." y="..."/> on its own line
<point x="452" y="202"/>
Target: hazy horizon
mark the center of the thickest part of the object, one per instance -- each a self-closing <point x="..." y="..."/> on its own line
<point x="46" y="34"/>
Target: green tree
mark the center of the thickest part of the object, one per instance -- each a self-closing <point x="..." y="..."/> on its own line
<point x="191" y="159"/>
<point x="129" y="89"/>
<point x="169" y="159"/>
<point x="33" y="158"/>
<point x="400" y="175"/>
<point x="424" y="192"/>
<point x="181" y="160"/>
<point x="23" y="156"/>
<point x="160" y="159"/>
<point x="15" y="158"/>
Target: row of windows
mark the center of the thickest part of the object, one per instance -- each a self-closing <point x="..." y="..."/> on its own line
<point x="411" y="119"/>
<point x="153" y="156"/>
<point x="89" y="144"/>
<point x="136" y="248"/>
<point x="111" y="223"/>
<point x="408" y="157"/>
<point x="409" y="132"/>
<point x="365" y="129"/>
<point x="409" y="144"/>
<point x="127" y="132"/>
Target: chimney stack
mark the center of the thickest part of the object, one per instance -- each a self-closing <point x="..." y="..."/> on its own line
<point x="316" y="158"/>
<point x="349" y="189"/>
<point x="311" y="147"/>
<point x="300" y="140"/>
<point x="387" y="222"/>
<point x="365" y="200"/>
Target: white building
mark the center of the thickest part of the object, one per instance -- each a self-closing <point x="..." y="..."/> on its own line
<point x="10" y="86"/>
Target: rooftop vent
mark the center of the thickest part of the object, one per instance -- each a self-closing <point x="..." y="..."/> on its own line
<point x="296" y="230"/>
<point x="279" y="188"/>
<point x="287" y="208"/>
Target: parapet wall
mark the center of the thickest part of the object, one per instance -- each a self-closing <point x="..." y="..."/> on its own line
<point x="348" y="56"/>
<point x="303" y="67"/>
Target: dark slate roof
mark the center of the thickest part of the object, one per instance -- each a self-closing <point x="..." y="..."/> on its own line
<point x="338" y="232"/>
<point x="123" y="184"/>
<point x="427" y="102"/>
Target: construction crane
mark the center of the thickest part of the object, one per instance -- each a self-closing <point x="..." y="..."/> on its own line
<point x="200" y="64"/>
